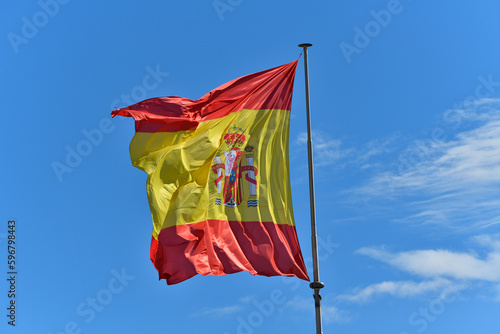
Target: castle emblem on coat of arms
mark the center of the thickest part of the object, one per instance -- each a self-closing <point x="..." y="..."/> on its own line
<point x="229" y="170"/>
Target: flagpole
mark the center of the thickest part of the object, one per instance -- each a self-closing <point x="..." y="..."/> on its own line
<point x="316" y="285"/>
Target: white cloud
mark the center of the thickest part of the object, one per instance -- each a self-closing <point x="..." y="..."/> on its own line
<point x="327" y="151"/>
<point x="397" y="288"/>
<point x="218" y="312"/>
<point x="225" y="310"/>
<point x="446" y="271"/>
<point x="473" y="159"/>
<point x="454" y="183"/>
<point x="497" y="291"/>
<point x="246" y="299"/>
<point x="333" y="152"/>
<point x="488" y="240"/>
<point x="330" y="313"/>
<point x="435" y="263"/>
<point x="377" y="147"/>
<point x="333" y="314"/>
<point x="299" y="304"/>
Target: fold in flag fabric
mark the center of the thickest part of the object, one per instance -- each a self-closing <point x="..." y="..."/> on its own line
<point x="218" y="178"/>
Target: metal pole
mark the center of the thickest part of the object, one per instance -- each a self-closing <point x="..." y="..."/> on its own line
<point x="316" y="285"/>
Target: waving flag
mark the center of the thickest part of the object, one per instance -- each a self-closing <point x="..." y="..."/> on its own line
<point x="218" y="178"/>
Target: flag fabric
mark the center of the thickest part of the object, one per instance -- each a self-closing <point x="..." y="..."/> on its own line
<point x="218" y="178"/>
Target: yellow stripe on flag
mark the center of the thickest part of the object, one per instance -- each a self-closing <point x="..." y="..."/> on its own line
<point x="181" y="181"/>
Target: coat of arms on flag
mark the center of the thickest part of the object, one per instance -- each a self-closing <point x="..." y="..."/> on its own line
<point x="229" y="169"/>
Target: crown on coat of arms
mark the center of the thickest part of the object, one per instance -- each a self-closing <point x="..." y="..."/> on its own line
<point x="234" y="137"/>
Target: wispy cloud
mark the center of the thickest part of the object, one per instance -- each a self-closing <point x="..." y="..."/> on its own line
<point x="327" y="151"/>
<point x="299" y="303"/>
<point x="490" y="241"/>
<point x="330" y="313"/>
<point x="218" y="312"/>
<point x="396" y="288"/>
<point x="223" y="311"/>
<point x="375" y="148"/>
<point x="454" y="182"/>
<point x="497" y="293"/>
<point x="333" y="314"/>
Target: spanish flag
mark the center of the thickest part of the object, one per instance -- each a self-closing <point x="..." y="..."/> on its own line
<point x="218" y="178"/>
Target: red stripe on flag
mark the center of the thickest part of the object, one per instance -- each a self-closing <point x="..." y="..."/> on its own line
<point x="216" y="247"/>
<point x="269" y="89"/>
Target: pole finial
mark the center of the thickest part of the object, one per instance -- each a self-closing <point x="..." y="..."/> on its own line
<point x="305" y="45"/>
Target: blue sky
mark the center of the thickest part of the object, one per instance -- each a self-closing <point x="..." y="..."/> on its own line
<point x="405" y="100"/>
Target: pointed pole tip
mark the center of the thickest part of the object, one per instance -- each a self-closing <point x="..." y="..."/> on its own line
<point x="305" y="45"/>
